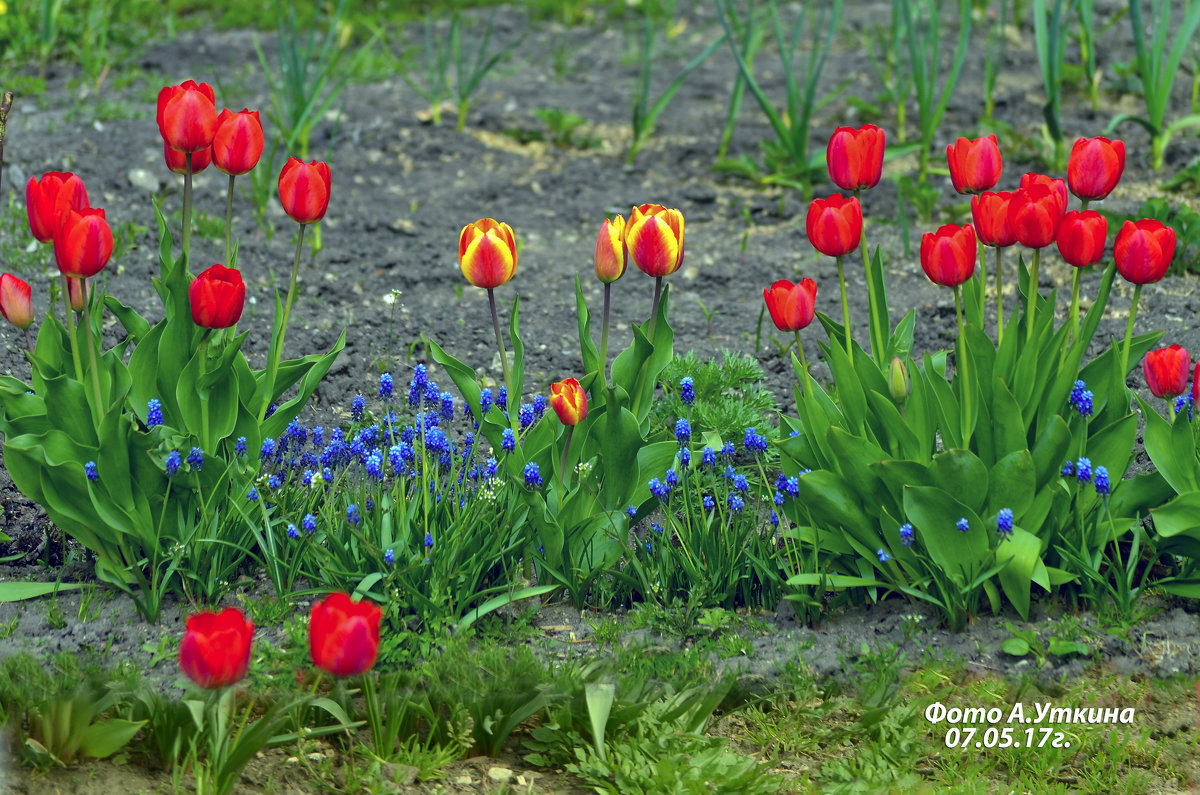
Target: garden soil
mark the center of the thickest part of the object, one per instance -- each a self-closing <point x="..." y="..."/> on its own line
<point x="404" y="187"/>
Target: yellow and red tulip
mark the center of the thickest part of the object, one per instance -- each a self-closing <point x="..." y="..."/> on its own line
<point x="569" y="401"/>
<point x="654" y="239"/>
<point x="611" y="257"/>
<point x="487" y="253"/>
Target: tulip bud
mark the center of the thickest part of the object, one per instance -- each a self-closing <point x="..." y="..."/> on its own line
<point x="1166" y="371"/>
<point x="48" y="198"/>
<point x="854" y="157"/>
<point x="187" y="116"/>
<point x="1095" y="167"/>
<point x="654" y="239"/>
<point x="1143" y="250"/>
<point x="975" y="166"/>
<point x="569" y="401"/>
<point x="177" y="161"/>
<point x="304" y="190"/>
<point x="343" y="635"/>
<point x="899" y="384"/>
<point x="834" y="225"/>
<point x="215" y="650"/>
<point x="948" y="255"/>
<point x="238" y="142"/>
<point x="217" y="297"/>
<point x="791" y="306"/>
<point x="76" y="293"/>
<point x="1081" y="237"/>
<point x="989" y="212"/>
<point x="1034" y="214"/>
<point x="487" y="253"/>
<point x="16" y="303"/>
<point x="83" y="243"/>
<point x="611" y="257"/>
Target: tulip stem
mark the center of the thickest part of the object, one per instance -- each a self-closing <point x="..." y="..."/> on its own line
<point x="229" y="222"/>
<point x="1075" y="277"/>
<point x="654" y="306"/>
<point x="808" y="389"/>
<point x="203" y="354"/>
<point x="604" y="337"/>
<point x="845" y="307"/>
<point x="999" y="299"/>
<point x="982" y="286"/>
<point x="98" y="409"/>
<point x="277" y="348"/>
<point x="28" y="339"/>
<point x="187" y="206"/>
<point x="961" y="365"/>
<point x="1137" y="294"/>
<point x="562" y="466"/>
<point x="71" y="330"/>
<point x="1032" y="296"/>
<point x="512" y="415"/>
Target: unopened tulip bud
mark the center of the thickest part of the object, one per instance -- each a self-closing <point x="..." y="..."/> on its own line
<point x="899" y="384"/>
<point x="77" y="293"/>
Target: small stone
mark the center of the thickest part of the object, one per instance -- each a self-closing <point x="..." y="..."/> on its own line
<point x="143" y="179"/>
<point x="464" y="780"/>
<point x="403" y="226"/>
<point x="500" y="775"/>
<point x="404" y="775"/>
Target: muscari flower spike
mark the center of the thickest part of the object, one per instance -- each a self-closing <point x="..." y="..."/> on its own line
<point x="963" y="525"/>
<point x="1102" y="483"/>
<point x="687" y="390"/>
<point x="174" y="461"/>
<point x="882" y="554"/>
<point x="357" y="407"/>
<point x="906" y="534"/>
<point x="385" y="386"/>
<point x="154" y="413"/>
<point x="389" y="557"/>
<point x="683" y="431"/>
<point x="533" y="475"/>
<point x="1083" y="470"/>
<point x="309" y="523"/>
<point x="1004" y="523"/>
<point x="89" y="469"/>
<point x="292" y="532"/>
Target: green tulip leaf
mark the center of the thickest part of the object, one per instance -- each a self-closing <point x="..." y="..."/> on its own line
<point x="934" y="514"/>
<point x="1022" y="552"/>
<point x="1012" y="483"/>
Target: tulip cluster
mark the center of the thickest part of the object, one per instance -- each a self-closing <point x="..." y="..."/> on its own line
<point x="343" y="639"/>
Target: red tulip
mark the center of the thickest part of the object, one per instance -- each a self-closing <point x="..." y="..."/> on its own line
<point x="1095" y="167"/>
<point x="611" y="256"/>
<point x="83" y="243"/>
<point x="1166" y="371"/>
<point x="989" y="211"/>
<point x="304" y="190"/>
<point x="791" y="305"/>
<point x="1081" y="237"/>
<point x="238" y="142"/>
<point x="834" y="225"/>
<point x="217" y="297"/>
<point x="215" y="651"/>
<point x="1144" y="250"/>
<point x="49" y="197"/>
<point x="177" y="161"/>
<point x="948" y="255"/>
<point x="974" y="165"/>
<point x="1057" y="186"/>
<point x="1034" y="214"/>
<point x="343" y="635"/>
<point x="16" y="303"/>
<point x="487" y="253"/>
<point x="187" y="116"/>
<point x="654" y="239"/>
<point x="855" y="157"/>
<point x="569" y="401"/>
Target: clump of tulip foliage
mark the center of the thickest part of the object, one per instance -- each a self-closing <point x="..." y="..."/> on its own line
<point x="137" y="450"/>
<point x="996" y="471"/>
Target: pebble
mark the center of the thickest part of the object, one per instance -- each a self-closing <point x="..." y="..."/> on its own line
<point x="500" y="775"/>
<point x="143" y="179"/>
